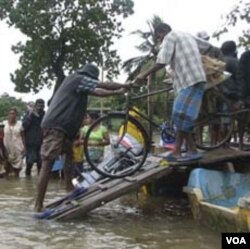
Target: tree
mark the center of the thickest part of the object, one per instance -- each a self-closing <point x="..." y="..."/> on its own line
<point x="149" y="49"/>
<point x="62" y="35"/>
<point x="239" y="13"/>
<point x="7" y="102"/>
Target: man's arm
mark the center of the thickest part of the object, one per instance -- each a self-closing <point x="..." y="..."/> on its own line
<point x="142" y="76"/>
<point x="23" y="141"/>
<point x="164" y="58"/>
<point x="100" y="92"/>
<point x="27" y="120"/>
<point x="241" y="77"/>
<point x="112" y="85"/>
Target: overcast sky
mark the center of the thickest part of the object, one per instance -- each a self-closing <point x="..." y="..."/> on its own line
<point x="186" y="15"/>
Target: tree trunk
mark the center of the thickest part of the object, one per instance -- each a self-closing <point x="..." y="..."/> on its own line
<point x="58" y="67"/>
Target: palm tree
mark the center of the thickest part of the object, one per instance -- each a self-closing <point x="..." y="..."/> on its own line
<point x="149" y="48"/>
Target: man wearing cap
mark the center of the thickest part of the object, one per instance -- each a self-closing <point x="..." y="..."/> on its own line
<point x="63" y="119"/>
<point x="203" y="35"/>
<point x="212" y="51"/>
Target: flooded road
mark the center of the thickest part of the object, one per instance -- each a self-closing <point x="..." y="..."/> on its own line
<point x="125" y="223"/>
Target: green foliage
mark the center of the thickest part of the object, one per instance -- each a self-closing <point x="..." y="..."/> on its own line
<point x="149" y="48"/>
<point x="63" y="35"/>
<point x="239" y="14"/>
<point x="7" y="102"/>
<point x="113" y="101"/>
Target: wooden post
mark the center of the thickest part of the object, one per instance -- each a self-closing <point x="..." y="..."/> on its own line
<point x="150" y="106"/>
<point x="102" y="99"/>
<point x="166" y="114"/>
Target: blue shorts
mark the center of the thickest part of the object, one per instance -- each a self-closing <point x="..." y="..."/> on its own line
<point x="186" y="107"/>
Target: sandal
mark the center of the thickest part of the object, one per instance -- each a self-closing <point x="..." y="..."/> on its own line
<point x="44" y="214"/>
<point x="193" y="156"/>
<point x="171" y="158"/>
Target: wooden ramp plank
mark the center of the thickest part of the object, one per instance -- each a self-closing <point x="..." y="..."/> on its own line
<point x="106" y="183"/>
<point x="123" y="187"/>
<point x="91" y="191"/>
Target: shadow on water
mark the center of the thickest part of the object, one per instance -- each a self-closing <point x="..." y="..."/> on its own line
<point x="129" y="222"/>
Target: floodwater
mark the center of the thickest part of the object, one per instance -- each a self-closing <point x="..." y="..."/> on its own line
<point x="128" y="223"/>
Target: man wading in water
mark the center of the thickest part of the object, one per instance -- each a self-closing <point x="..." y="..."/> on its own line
<point x="63" y="120"/>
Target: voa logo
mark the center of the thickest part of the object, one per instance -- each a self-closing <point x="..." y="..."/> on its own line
<point x="236" y="240"/>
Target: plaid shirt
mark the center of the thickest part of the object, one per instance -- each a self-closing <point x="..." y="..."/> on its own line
<point x="182" y="52"/>
<point x="87" y="84"/>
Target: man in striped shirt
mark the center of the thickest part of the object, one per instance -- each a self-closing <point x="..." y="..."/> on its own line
<point x="182" y="52"/>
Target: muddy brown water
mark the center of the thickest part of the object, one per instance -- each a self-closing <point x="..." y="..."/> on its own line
<point x="129" y="222"/>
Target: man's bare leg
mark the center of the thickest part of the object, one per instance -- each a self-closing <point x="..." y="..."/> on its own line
<point x="191" y="143"/>
<point x="68" y="169"/>
<point x="43" y="181"/>
<point x="178" y="143"/>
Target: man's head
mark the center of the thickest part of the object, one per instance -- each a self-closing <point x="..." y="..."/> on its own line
<point x="90" y="117"/>
<point x="39" y="105"/>
<point x="161" y="30"/>
<point x="90" y="70"/>
<point x="12" y="114"/>
<point x="229" y="48"/>
<point x="94" y="115"/>
<point x="203" y="35"/>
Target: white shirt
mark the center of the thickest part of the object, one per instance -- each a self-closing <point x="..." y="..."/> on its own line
<point x="181" y="51"/>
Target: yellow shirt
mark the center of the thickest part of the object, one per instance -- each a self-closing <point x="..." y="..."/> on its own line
<point x="77" y="154"/>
